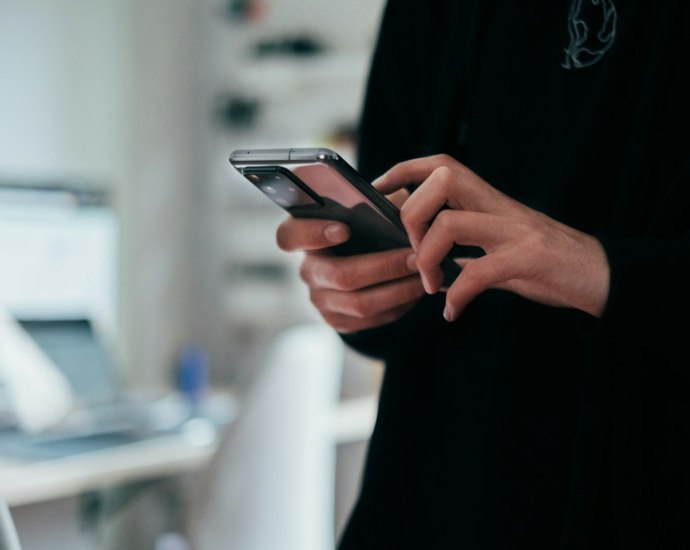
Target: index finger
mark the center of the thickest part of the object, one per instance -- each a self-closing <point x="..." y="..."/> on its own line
<point x="457" y="227"/>
<point x="411" y="172"/>
<point x="310" y="234"/>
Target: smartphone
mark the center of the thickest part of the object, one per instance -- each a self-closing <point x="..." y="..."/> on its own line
<point x="318" y="183"/>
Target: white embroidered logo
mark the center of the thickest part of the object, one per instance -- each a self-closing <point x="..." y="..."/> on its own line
<point x="592" y="27"/>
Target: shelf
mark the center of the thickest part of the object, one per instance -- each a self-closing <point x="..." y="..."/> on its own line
<point x="279" y="77"/>
<point x="250" y="236"/>
<point x="260" y="304"/>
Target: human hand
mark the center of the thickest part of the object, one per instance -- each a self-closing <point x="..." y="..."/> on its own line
<point x="355" y="292"/>
<point x="526" y="252"/>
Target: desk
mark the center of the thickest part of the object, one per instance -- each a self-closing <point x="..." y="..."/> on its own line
<point x="45" y="495"/>
<point x="26" y="482"/>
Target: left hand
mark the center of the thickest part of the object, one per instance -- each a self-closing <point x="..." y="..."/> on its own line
<point x="526" y="252"/>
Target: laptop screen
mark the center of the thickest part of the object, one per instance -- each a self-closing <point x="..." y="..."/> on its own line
<point x="78" y="353"/>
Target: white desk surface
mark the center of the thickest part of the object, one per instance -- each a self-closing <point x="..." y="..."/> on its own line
<point x="25" y="482"/>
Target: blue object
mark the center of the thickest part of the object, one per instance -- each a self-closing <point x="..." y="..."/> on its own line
<point x="192" y="373"/>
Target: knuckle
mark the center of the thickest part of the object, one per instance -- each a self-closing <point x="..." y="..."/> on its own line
<point x="444" y="159"/>
<point x="424" y="262"/>
<point x="472" y="274"/>
<point x="390" y="269"/>
<point x="394" y="172"/>
<point x="305" y="271"/>
<point x="533" y="240"/>
<point x="406" y="214"/>
<point x="536" y="240"/>
<point x="340" y="278"/>
<point x="359" y="306"/>
<point x="335" y="322"/>
<point x="409" y="291"/>
<point x="397" y="267"/>
<point x="316" y="299"/>
<point x="531" y="225"/>
<point x="390" y="317"/>
<point x="398" y="167"/>
<point x="525" y="225"/>
<point x="443" y="175"/>
<point x="340" y="324"/>
<point x="323" y="272"/>
<point x="444" y="219"/>
<point x="313" y="269"/>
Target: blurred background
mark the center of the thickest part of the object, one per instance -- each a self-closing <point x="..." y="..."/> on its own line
<point x="164" y="382"/>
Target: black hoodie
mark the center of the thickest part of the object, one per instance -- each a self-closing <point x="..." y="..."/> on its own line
<point x="522" y="425"/>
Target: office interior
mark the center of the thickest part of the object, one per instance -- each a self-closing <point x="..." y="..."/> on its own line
<point x="165" y="383"/>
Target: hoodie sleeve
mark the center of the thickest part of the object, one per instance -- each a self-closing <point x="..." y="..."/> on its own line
<point x="650" y="292"/>
<point x="372" y="342"/>
<point x="649" y="296"/>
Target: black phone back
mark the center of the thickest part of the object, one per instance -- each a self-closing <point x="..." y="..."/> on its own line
<point x="369" y="231"/>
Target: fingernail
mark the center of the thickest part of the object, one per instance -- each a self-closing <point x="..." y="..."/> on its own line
<point x="412" y="262"/>
<point x="426" y="285"/>
<point x="336" y="233"/>
<point x="448" y="314"/>
<point x="377" y="181"/>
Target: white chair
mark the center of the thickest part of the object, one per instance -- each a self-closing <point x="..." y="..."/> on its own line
<point x="8" y="534"/>
<point x="272" y="484"/>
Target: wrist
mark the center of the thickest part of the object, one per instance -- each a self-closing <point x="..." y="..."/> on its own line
<point x="599" y="282"/>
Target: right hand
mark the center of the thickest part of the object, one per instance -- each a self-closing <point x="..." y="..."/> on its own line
<point x="352" y="293"/>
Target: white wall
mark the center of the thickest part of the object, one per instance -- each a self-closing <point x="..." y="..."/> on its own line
<point x="60" y="89"/>
<point x="107" y="92"/>
<point x="159" y="196"/>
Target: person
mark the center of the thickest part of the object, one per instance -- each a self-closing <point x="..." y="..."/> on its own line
<point x="543" y="401"/>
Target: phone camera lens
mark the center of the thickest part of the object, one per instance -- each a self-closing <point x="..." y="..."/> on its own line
<point x="253" y="177"/>
<point x="292" y="189"/>
<point x="269" y="189"/>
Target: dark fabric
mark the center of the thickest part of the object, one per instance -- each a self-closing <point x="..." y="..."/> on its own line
<point x="522" y="425"/>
